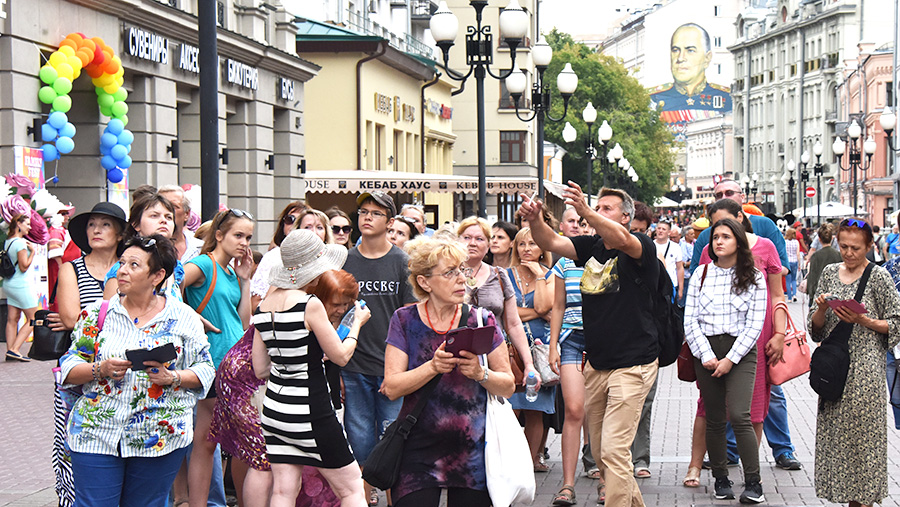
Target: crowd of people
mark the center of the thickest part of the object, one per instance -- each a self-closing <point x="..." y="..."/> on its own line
<point x="252" y="359"/>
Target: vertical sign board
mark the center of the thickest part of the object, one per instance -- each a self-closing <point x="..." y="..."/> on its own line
<point x="118" y="192"/>
<point x="29" y="162"/>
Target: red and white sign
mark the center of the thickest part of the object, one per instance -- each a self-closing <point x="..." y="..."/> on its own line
<point x="830" y="181"/>
<point x="810" y="191"/>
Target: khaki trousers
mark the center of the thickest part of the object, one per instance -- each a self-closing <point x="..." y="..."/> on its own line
<point x="613" y="403"/>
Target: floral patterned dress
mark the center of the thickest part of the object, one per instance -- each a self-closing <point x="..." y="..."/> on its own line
<point x="133" y="417"/>
<point x="850" y="468"/>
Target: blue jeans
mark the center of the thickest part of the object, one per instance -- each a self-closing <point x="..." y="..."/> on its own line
<point x="893" y="391"/>
<point x="775" y="427"/>
<point x="683" y="301"/>
<point x="367" y="413"/>
<point x="791" y="279"/>
<point x="102" y="480"/>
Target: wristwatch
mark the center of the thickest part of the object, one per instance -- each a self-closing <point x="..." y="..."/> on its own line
<point x="484" y="379"/>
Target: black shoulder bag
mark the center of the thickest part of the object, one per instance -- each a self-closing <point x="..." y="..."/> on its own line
<point x="382" y="468"/>
<point x="830" y="363"/>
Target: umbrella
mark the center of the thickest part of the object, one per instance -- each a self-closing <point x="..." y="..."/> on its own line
<point x="665" y="202"/>
<point x="829" y="209"/>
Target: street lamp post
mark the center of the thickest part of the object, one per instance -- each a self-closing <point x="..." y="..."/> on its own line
<point x="754" y="186"/>
<point x="604" y="134"/>
<point x="613" y="159"/>
<point x="788" y="179"/>
<point x="854" y="132"/>
<point x="818" y="169"/>
<point x="566" y="81"/>
<point x="479" y="56"/>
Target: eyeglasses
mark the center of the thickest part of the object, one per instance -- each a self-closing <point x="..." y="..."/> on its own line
<point x="241" y="213"/>
<point x="141" y="242"/>
<point x="450" y="274"/>
<point x="337" y="229"/>
<point x="374" y="213"/>
<point x="289" y="219"/>
<point x="726" y="193"/>
<point x="854" y="222"/>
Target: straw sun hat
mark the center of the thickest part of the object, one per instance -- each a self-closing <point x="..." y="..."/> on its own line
<point x="304" y="257"/>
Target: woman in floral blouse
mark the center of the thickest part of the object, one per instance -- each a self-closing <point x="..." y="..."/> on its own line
<point x="131" y="429"/>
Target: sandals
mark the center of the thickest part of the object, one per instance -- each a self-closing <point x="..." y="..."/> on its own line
<point x="601" y="493"/>
<point x="373" y="497"/>
<point x="541" y="467"/>
<point x="593" y="473"/>
<point x="692" y="479"/>
<point x="566" y="495"/>
<point x="642" y="473"/>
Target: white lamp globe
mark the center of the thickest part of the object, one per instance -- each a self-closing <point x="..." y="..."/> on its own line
<point x="542" y="53"/>
<point x="605" y="132"/>
<point x="516" y="81"/>
<point x="590" y="114"/>
<point x="569" y="134"/>
<point x="870" y="146"/>
<point x="444" y="25"/>
<point x="838" y="146"/>
<point x="888" y="119"/>
<point x="513" y="21"/>
<point x="854" y="130"/>
<point x="567" y="81"/>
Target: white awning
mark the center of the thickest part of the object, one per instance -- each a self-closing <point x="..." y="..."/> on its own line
<point x="391" y="181"/>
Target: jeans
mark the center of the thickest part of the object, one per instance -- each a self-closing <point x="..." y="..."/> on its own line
<point x="683" y="301"/>
<point x="572" y="349"/>
<point x="893" y="391"/>
<point x="102" y="480"/>
<point x="367" y="413"/>
<point x="791" y="280"/>
<point x="775" y="427"/>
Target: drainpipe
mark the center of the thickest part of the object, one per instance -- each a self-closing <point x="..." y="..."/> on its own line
<point x="802" y="189"/>
<point x="437" y="77"/>
<point x="382" y="47"/>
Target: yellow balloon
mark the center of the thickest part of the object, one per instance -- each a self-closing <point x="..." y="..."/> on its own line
<point x="65" y="70"/>
<point x="67" y="50"/>
<point x="117" y="59"/>
<point x="74" y="61"/>
<point x="120" y="72"/>
<point x="103" y="80"/>
<point x="57" y="58"/>
<point x="111" y="88"/>
<point x="120" y="80"/>
<point x="75" y="73"/>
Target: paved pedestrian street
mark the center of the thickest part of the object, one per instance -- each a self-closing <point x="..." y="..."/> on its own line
<point x="26" y="429"/>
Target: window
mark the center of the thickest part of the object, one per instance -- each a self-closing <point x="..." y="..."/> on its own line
<point x="220" y="14"/>
<point x="717" y="42"/>
<point x="719" y="68"/>
<point x="715" y="10"/>
<point x="889" y="95"/>
<point x="512" y="146"/>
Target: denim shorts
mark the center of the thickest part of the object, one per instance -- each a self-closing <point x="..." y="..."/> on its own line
<point x="367" y="413"/>
<point x="571" y="350"/>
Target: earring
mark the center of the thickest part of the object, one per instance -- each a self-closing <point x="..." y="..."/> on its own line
<point x="154" y="292"/>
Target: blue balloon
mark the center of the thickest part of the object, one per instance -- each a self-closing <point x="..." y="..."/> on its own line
<point x="48" y="133"/>
<point x="115" y="126"/>
<point x="125" y="163"/>
<point x="55" y="180"/>
<point x="118" y="152"/>
<point x="68" y="130"/>
<point x="108" y="140"/>
<point x="115" y="175"/>
<point x="104" y="150"/>
<point x="126" y="137"/>
<point x="58" y="119"/>
<point x="50" y="153"/>
<point x="65" y="144"/>
<point x="108" y="163"/>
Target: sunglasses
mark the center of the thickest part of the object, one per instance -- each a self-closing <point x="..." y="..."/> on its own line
<point x="241" y="213"/>
<point x="141" y="242"/>
<point x="338" y="229"/>
<point x="854" y="222"/>
<point x="289" y="219"/>
<point x="726" y="193"/>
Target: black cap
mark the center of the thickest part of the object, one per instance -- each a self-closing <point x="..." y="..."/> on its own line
<point x="380" y="198"/>
<point x="78" y="224"/>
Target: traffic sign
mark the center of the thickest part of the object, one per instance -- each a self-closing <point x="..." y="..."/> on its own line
<point x="810" y="191"/>
<point x="830" y="181"/>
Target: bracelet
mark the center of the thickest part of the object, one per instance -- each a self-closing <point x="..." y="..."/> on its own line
<point x="352" y="338"/>
<point x="176" y="382"/>
<point x="95" y="371"/>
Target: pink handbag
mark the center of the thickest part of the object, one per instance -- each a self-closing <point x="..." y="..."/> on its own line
<point x="796" y="352"/>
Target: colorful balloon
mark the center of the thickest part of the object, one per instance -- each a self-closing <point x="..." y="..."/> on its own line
<point x="125" y="163"/>
<point x="65" y="70"/>
<point x="119" y="109"/>
<point x="115" y="126"/>
<point x="56" y="59"/>
<point x="47" y="94"/>
<point x="65" y="145"/>
<point x="105" y="99"/>
<point x="68" y="130"/>
<point x="48" y="133"/>
<point x="62" y="86"/>
<point x="118" y="152"/>
<point x="108" y="163"/>
<point x="126" y="138"/>
<point x="50" y="153"/>
<point x="57" y="120"/>
<point x="121" y="95"/>
<point x="108" y="140"/>
<point x="62" y="103"/>
<point x="115" y="175"/>
<point x="48" y="74"/>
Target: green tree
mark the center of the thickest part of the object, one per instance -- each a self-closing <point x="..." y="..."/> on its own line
<point x="620" y="100"/>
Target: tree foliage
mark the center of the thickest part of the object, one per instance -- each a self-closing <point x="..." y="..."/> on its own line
<point x="620" y="100"/>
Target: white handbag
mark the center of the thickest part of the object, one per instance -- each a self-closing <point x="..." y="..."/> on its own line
<point x="507" y="461"/>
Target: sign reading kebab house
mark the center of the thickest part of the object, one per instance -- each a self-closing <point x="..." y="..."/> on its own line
<point x="690" y="96"/>
<point x="433" y="184"/>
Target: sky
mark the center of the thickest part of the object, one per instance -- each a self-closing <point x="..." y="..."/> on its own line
<point x="581" y="17"/>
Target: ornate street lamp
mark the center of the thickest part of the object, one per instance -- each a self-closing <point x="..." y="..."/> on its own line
<point x="854" y="132"/>
<point x="788" y="179"/>
<point x="479" y="56"/>
<point x="604" y="134"/>
<point x="818" y="169"/>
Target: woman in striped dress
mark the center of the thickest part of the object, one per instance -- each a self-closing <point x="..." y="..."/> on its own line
<point x="298" y="419"/>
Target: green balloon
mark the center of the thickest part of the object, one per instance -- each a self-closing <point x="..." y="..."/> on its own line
<point x="119" y="109"/>
<point x="62" y="103"/>
<point x="48" y="74"/>
<point x="47" y="95"/>
<point x="99" y="90"/>
<point x="124" y="120"/>
<point x="106" y="111"/>
<point x="62" y="86"/>
<point x="120" y="95"/>
<point x="105" y="100"/>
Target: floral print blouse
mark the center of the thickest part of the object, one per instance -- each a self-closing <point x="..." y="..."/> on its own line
<point x="132" y="417"/>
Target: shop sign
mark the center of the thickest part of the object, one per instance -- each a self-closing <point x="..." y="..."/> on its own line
<point x="241" y="74"/>
<point x="189" y="58"/>
<point x="438" y="109"/>
<point x="285" y="89"/>
<point x="146" y="45"/>
<point x="383" y="103"/>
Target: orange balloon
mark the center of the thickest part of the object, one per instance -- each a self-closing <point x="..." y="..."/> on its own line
<point x="99" y="42"/>
<point x="111" y="68"/>
<point x="84" y="56"/>
<point x="94" y="71"/>
<point x="88" y="43"/>
<point x="76" y="38"/>
<point x="68" y="43"/>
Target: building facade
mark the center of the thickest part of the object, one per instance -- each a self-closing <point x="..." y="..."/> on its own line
<point x="261" y="97"/>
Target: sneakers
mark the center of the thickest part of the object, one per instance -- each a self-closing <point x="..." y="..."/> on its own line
<point x="752" y="493"/>
<point x="723" y="489"/>
<point x="787" y="461"/>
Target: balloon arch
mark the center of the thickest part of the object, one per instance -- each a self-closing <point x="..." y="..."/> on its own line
<point x="76" y="53"/>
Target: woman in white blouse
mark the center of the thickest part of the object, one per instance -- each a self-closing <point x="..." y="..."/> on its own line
<point x="725" y="311"/>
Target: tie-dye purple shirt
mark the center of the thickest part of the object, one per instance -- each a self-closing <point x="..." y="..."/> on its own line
<point x="446" y="447"/>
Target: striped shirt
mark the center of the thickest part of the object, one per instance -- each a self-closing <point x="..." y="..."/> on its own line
<point x="132" y="417"/>
<point x="566" y="269"/>
<point x="89" y="288"/>
<point x="792" y="247"/>
<point x="716" y="309"/>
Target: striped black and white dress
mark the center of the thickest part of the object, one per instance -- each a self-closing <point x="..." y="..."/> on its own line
<point x="298" y="419"/>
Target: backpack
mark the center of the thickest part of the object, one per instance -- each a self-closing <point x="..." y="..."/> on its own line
<point x="7" y="266"/>
<point x="668" y="316"/>
<point x="830" y="363"/>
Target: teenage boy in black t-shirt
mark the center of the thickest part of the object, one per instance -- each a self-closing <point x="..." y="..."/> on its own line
<point x="621" y="340"/>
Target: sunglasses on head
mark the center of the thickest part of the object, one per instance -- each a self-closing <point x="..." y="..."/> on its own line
<point x="337" y="229"/>
<point x="141" y="242"/>
<point x="241" y="213"/>
<point x="726" y="193"/>
<point x="854" y="222"/>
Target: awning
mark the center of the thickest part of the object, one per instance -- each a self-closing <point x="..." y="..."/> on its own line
<point x="392" y="181"/>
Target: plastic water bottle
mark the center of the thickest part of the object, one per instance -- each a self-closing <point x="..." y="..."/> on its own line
<point x="531" y="390"/>
<point x="347" y="322"/>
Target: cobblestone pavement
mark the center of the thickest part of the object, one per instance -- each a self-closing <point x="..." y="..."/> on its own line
<point x="26" y="428"/>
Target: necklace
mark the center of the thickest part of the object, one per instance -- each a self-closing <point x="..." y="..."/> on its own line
<point x="428" y="318"/>
<point x="519" y="278"/>
<point x="152" y="307"/>
<point x="472" y="281"/>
